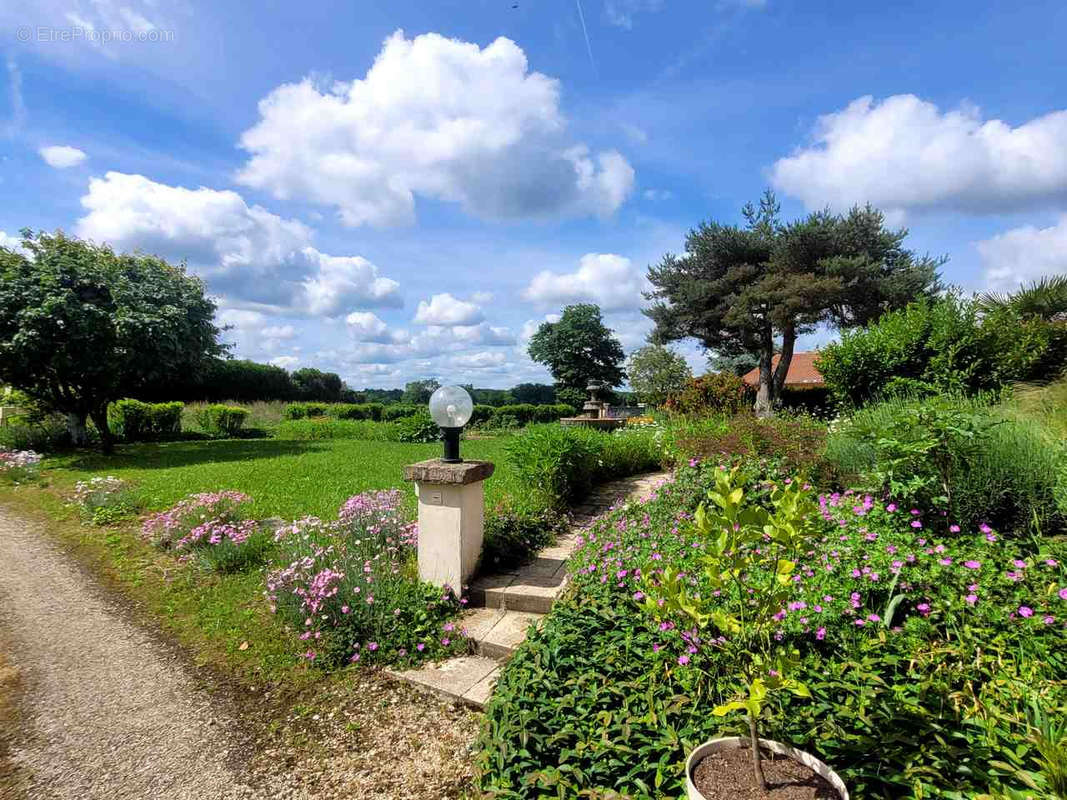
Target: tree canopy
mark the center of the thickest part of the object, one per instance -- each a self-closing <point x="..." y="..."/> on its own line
<point x="81" y="326"/>
<point x="656" y="372"/>
<point x="753" y="289"/>
<point x="578" y="349"/>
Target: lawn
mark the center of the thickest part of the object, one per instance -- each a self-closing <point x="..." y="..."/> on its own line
<point x="288" y="479"/>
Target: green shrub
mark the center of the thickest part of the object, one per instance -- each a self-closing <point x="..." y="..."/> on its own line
<point x="797" y="442"/>
<point x="965" y="457"/>
<point x="566" y="461"/>
<point x="938" y="346"/>
<point x="135" y="421"/>
<point x="400" y="410"/>
<point x="105" y="500"/>
<point x="481" y="414"/>
<point x="357" y="411"/>
<point x="417" y="428"/>
<point x="516" y="529"/>
<point x="527" y="413"/>
<point x="714" y="393"/>
<point x="221" y="420"/>
<point x="323" y="428"/>
<point x="305" y="410"/>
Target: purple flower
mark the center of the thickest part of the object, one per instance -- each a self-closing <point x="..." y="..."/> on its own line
<point x="891" y="507"/>
<point x="971" y="599"/>
<point x="916" y="523"/>
<point x="972" y="564"/>
<point x="1049" y="619"/>
<point x="954" y="528"/>
<point x="820" y="634"/>
<point x="1026" y="611"/>
<point x="683" y="660"/>
<point x="1063" y="593"/>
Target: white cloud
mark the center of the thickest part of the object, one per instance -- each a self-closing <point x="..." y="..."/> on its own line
<point x="244" y="252"/>
<point x="438" y="118"/>
<point x="1024" y="254"/>
<point x="365" y="326"/>
<point x="12" y="243"/>
<point x="904" y="154"/>
<point x="62" y="156"/>
<point x="620" y="13"/>
<point x="285" y="362"/>
<point x="609" y="280"/>
<point x="481" y="360"/>
<point x="446" y="310"/>
<point x="280" y="332"/>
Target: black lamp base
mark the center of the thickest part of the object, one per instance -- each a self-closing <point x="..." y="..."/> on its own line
<point x="451" y="440"/>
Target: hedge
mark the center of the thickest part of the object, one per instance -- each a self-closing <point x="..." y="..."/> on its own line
<point x="221" y="420"/>
<point x="136" y="421"/>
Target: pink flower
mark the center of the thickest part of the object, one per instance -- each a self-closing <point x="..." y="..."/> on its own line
<point x="1063" y="593"/>
<point x="891" y="507"/>
<point x="1049" y="619"/>
<point x="972" y="564"/>
<point x="820" y="634"/>
<point x="1025" y="611"/>
<point x="954" y="528"/>
<point x="916" y="524"/>
<point x="683" y="660"/>
<point x="971" y="599"/>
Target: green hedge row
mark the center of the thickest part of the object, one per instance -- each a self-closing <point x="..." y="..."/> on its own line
<point x="221" y="420"/>
<point x="135" y="421"/>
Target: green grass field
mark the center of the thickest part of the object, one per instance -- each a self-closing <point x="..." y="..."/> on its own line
<point x="288" y="479"/>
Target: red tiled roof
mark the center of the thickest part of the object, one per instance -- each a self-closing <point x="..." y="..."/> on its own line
<point x="802" y="372"/>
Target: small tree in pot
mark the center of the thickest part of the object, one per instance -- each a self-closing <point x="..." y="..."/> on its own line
<point x="746" y="583"/>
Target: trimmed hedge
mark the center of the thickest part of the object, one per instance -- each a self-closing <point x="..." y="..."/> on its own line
<point x="401" y="410"/>
<point x="527" y="414"/>
<point x="136" y="421"/>
<point x="304" y="410"/>
<point x="221" y="420"/>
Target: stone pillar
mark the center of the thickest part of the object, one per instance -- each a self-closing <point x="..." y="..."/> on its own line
<point x="451" y="518"/>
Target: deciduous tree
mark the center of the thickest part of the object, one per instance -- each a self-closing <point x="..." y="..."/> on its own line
<point x="656" y="372"/>
<point x="578" y="349"/>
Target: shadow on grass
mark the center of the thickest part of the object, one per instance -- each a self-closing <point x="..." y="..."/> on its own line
<point x="163" y="455"/>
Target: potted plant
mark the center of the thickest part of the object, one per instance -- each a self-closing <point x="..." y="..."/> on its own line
<point x="746" y="582"/>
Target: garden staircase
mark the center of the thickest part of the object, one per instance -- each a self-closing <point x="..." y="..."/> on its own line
<point x="503" y="606"/>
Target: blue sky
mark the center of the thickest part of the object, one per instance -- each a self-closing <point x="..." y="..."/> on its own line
<point x="395" y="190"/>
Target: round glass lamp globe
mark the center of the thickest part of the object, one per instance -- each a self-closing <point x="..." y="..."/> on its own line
<point x="451" y="407"/>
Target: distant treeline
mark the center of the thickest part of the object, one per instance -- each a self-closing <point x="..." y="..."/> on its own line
<point x="249" y="381"/>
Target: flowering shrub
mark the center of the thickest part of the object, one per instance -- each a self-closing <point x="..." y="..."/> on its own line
<point x="923" y="654"/>
<point x="103" y="501"/>
<point x="18" y="466"/>
<point x="351" y="587"/>
<point x="210" y="528"/>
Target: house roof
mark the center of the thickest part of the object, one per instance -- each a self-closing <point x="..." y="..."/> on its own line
<point x="802" y="372"/>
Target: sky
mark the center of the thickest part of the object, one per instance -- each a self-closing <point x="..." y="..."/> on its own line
<point x="407" y="189"/>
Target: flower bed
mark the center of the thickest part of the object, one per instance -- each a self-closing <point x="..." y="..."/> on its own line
<point x="19" y="466"/>
<point x="351" y="587"/>
<point x="923" y="655"/>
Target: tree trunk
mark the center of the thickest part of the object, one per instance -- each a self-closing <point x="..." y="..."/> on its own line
<point x="107" y="441"/>
<point x="765" y="393"/>
<point x="757" y="762"/>
<point x="79" y="436"/>
<point x="789" y="340"/>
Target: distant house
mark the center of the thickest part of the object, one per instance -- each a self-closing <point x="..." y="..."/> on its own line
<point x="802" y="373"/>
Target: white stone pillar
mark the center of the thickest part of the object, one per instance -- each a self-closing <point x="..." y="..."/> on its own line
<point x="451" y="518"/>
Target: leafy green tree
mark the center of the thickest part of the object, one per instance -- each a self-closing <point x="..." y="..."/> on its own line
<point x="756" y="288"/>
<point x="1045" y="299"/>
<point x="538" y="394"/>
<point x="418" y="392"/>
<point x="314" y="384"/>
<point x="81" y="326"/>
<point x="578" y="349"/>
<point x="656" y="372"/>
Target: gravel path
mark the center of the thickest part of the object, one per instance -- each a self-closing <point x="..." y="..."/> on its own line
<point x="107" y="712"/>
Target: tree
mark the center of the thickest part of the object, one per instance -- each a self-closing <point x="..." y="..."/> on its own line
<point x="81" y="326"/>
<point x="656" y="372"/>
<point x="755" y="289"/>
<point x="1045" y="299"/>
<point x="314" y="384"/>
<point x="538" y="394"/>
<point x="418" y="392"/>
<point x="578" y="349"/>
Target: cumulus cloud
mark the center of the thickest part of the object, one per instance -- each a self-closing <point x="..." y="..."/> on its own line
<point x="62" y="156"/>
<point x="446" y="310"/>
<point x="244" y="252"/>
<point x="285" y="362"/>
<point x="1024" y="254"/>
<point x="11" y="242"/>
<point x="904" y="153"/>
<point x="365" y="326"/>
<point x="611" y="281"/>
<point x="437" y="118"/>
<point x="485" y="359"/>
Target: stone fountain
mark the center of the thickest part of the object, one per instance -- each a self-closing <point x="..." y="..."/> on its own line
<point x="595" y="411"/>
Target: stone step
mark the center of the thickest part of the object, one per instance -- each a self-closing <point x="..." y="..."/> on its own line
<point x="465" y="679"/>
<point x="523" y="592"/>
<point x="497" y="632"/>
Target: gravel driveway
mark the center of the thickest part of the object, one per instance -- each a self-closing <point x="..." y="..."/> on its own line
<point x="108" y="711"/>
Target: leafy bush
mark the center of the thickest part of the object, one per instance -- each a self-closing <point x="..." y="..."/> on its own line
<point x="221" y="420"/>
<point x="135" y="421"/>
<point x="481" y="414"/>
<point x="46" y="434"/>
<point x="325" y="428"/>
<point x="211" y="529"/>
<point x="417" y="428"/>
<point x="517" y="529"/>
<point x="714" y="393"/>
<point x="944" y="345"/>
<point x="305" y="410"/>
<point x="19" y="466"/>
<point x="566" y="461"/>
<point x="350" y="587"/>
<point x="400" y="410"/>
<point x="797" y="442"/>
<point x="922" y="657"/>
<point x="105" y="501"/>
<point x="359" y="411"/>
<point x="527" y="413"/>
<point x="964" y="457"/>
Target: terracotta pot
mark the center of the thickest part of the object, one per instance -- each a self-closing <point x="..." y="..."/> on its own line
<point x="739" y="742"/>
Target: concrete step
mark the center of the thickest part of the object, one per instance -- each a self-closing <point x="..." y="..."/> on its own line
<point x="496" y="632"/>
<point x="466" y="679"/>
<point x="523" y="592"/>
